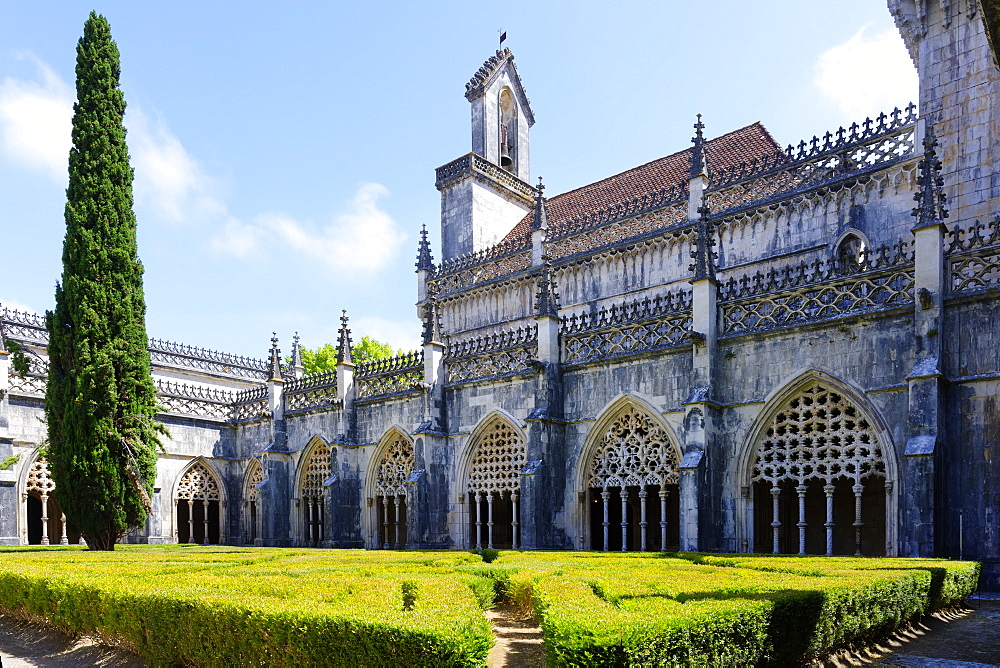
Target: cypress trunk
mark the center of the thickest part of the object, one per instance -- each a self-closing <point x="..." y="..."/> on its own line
<point x="100" y="400"/>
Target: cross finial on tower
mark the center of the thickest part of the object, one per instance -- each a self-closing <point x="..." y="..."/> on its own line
<point x="274" y="365"/>
<point x="540" y="221"/>
<point x="425" y="261"/>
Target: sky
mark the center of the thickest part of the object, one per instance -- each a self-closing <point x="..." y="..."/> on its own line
<point x="284" y="155"/>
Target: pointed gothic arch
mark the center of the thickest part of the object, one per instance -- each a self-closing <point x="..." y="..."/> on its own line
<point x="41" y="518"/>
<point x="199" y="504"/>
<point x="388" y="512"/>
<point x="311" y="497"/>
<point x="632" y="453"/>
<point x="819" y="458"/>
<point x="490" y="482"/>
<point x="251" y="501"/>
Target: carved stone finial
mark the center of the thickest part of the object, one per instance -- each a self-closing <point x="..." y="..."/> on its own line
<point x="296" y="352"/>
<point x="432" y="331"/>
<point x="344" y="341"/>
<point x="540" y="221"/>
<point x="930" y="195"/>
<point x="547" y="297"/>
<point x="703" y="255"/>
<point x="699" y="161"/>
<point x="275" y="358"/>
<point x="425" y="261"/>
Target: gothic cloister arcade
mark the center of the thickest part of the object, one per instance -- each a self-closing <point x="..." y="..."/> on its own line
<point x="198" y="502"/>
<point x="251" y="502"/>
<point x="314" y="471"/>
<point x="493" y="462"/>
<point x="819" y="473"/>
<point x="391" y="465"/>
<point x="43" y="522"/>
<point x="629" y="476"/>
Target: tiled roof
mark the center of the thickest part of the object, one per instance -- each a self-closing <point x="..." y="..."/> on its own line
<point x="743" y="145"/>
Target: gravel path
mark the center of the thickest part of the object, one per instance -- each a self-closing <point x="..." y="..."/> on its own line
<point x="24" y="644"/>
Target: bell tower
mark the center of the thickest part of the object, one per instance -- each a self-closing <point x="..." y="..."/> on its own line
<point x="486" y="192"/>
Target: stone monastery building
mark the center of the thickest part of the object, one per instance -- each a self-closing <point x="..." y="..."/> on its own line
<point x="737" y="347"/>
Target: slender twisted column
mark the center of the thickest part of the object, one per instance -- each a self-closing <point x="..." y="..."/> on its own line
<point x="858" y="489"/>
<point x="190" y="520"/>
<point x="397" y="545"/>
<point x="801" y="489"/>
<point x="479" y="522"/>
<point x="828" y="488"/>
<point x="606" y="495"/>
<point x="624" y="494"/>
<point x="642" y="518"/>
<point x="45" y="519"/>
<point x="489" y="520"/>
<point x="204" y="509"/>
<point x="515" y="525"/>
<point x="664" y="493"/>
<point x="385" y="523"/>
<point x="775" y="523"/>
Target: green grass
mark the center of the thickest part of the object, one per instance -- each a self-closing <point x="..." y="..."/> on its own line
<point x="258" y="606"/>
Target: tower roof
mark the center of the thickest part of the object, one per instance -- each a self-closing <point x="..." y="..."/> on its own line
<point x="488" y="73"/>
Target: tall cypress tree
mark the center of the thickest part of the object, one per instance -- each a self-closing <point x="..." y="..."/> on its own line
<point x="100" y="401"/>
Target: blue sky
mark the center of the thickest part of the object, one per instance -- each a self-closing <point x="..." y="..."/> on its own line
<point x="285" y="155"/>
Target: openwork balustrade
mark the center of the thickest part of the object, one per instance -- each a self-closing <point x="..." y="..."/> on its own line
<point x="251" y="405"/>
<point x="498" y="354"/>
<point x="179" y="354"/>
<point x="974" y="257"/>
<point x="401" y="373"/>
<point x="23" y="326"/>
<point x="887" y="139"/>
<point x="642" y="325"/>
<point x="582" y="235"/>
<point x="32" y="384"/>
<point x="195" y="400"/>
<point x="485" y="265"/>
<point x="317" y="390"/>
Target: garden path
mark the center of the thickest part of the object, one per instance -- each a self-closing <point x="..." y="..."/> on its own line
<point x="518" y="640"/>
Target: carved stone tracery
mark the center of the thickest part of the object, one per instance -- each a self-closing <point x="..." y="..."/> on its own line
<point x="254" y="478"/>
<point x="500" y="456"/>
<point x="198" y="484"/>
<point x="40" y="478"/>
<point x="635" y="451"/>
<point x="315" y="472"/>
<point x="394" y="468"/>
<point x="818" y="435"/>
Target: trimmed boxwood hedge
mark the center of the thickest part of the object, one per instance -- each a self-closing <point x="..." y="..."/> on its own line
<point x="217" y="606"/>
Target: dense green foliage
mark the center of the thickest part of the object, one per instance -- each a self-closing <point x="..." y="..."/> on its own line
<point x="100" y="400"/>
<point x="217" y="606"/>
<point x="324" y="358"/>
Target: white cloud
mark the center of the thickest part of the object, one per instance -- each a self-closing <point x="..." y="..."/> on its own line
<point x="867" y="74"/>
<point x="169" y="183"/>
<point x="364" y="238"/>
<point x="35" y="121"/>
<point x="400" y="334"/>
<point x="16" y="306"/>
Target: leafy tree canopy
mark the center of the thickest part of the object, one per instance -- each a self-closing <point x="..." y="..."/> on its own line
<point x="324" y="358"/>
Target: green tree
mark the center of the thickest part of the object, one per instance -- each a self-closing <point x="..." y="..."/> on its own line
<point x="100" y="402"/>
<point x="324" y="358"/>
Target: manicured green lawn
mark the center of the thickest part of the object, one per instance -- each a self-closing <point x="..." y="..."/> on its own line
<point x="259" y="606"/>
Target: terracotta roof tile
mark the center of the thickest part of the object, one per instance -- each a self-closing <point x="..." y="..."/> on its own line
<point x="743" y="145"/>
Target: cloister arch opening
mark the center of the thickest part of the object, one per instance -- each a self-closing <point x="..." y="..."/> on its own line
<point x="495" y="456"/>
<point x="392" y="464"/>
<point x="44" y="522"/>
<point x="198" y="503"/>
<point x="311" y="502"/>
<point x="819" y="475"/>
<point x="251" y="502"/>
<point x="629" y="481"/>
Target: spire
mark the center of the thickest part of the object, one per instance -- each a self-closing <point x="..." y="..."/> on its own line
<point x="699" y="161"/>
<point x="704" y="257"/>
<point x="432" y="328"/>
<point x="275" y="361"/>
<point x="540" y="221"/>
<point x="296" y="356"/>
<point x="425" y="261"/>
<point x="344" y="342"/>
<point x="547" y="298"/>
<point x="930" y="197"/>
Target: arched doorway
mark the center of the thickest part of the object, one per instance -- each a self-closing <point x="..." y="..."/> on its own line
<point x="315" y="471"/>
<point x="818" y="478"/>
<point x="45" y="522"/>
<point x="251" y="502"/>
<point x="630" y="476"/>
<point x="494" y="485"/>
<point x="393" y="466"/>
<point x="198" y="503"/>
